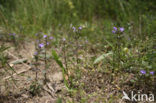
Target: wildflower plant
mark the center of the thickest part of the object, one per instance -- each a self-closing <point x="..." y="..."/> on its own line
<point x="145" y="77"/>
<point x="45" y="56"/>
<point x="59" y="62"/>
<point x="65" y="55"/>
<point x="12" y="36"/>
<point x="77" y="32"/>
<point x="38" y="47"/>
<point x="36" y="64"/>
<point x="117" y="48"/>
<point x="5" y="63"/>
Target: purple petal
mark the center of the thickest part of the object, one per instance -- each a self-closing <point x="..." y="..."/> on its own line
<point x="41" y="45"/>
<point x="51" y="38"/>
<point x="142" y="71"/>
<point x="44" y="36"/>
<point x="74" y="29"/>
<point x="80" y="28"/>
<point x="122" y="29"/>
<point x="152" y="72"/>
<point x="13" y="34"/>
<point x="47" y="43"/>
<point x="115" y="28"/>
<point x="10" y="33"/>
<point x="37" y="41"/>
<point x="35" y="53"/>
<point x="64" y="39"/>
<point x="113" y="31"/>
<point x="36" y="34"/>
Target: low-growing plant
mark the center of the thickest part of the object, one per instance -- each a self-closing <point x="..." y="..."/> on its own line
<point x="35" y="88"/>
<point x="59" y="62"/>
<point x="77" y="34"/>
<point x="13" y="38"/>
<point x="4" y="62"/>
<point x="45" y="56"/>
<point x="65" y="55"/>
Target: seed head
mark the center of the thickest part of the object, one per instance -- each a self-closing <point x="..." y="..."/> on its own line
<point x="125" y="49"/>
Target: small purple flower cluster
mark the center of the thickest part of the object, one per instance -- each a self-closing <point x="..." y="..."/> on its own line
<point x="41" y="45"/>
<point x="12" y="34"/>
<point x="144" y="72"/>
<point x="75" y="30"/>
<point x="115" y="30"/>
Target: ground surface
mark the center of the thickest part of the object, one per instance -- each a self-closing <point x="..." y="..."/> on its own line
<point x="94" y="85"/>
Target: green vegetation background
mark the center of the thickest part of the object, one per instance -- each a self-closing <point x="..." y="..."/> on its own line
<point x="27" y="17"/>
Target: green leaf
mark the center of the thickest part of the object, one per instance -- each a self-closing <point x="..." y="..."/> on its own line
<point x="59" y="100"/>
<point x="56" y="58"/>
<point x="3" y="48"/>
<point x="43" y="56"/>
<point x="102" y="57"/>
<point x="133" y="81"/>
<point x="110" y="44"/>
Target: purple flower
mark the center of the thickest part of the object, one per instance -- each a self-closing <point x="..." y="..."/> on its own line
<point x="41" y="45"/>
<point x="80" y="28"/>
<point x="35" y="53"/>
<point x="86" y="41"/>
<point x="115" y="28"/>
<point x="74" y="29"/>
<point x="37" y="41"/>
<point x="152" y="72"/>
<point x="44" y="36"/>
<point x="142" y="71"/>
<point x="51" y="38"/>
<point x="36" y="34"/>
<point x="121" y="29"/>
<point x="64" y="39"/>
<point x="113" y="31"/>
<point x="12" y="34"/>
<point x="47" y="43"/>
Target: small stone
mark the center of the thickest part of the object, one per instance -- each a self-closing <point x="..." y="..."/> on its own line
<point x="58" y="77"/>
<point x="25" y="96"/>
